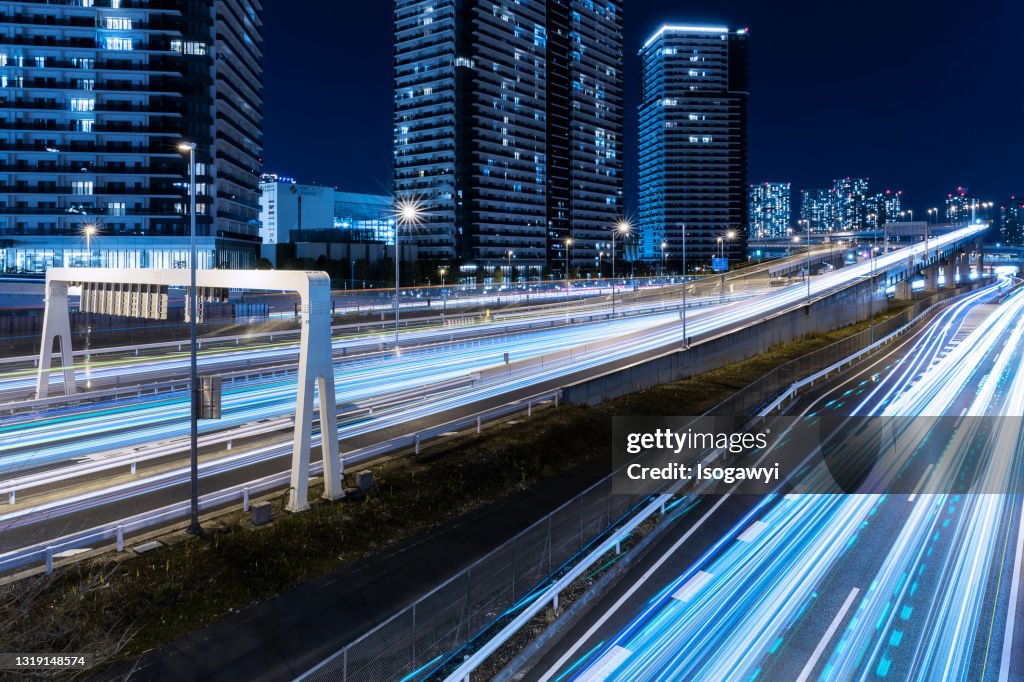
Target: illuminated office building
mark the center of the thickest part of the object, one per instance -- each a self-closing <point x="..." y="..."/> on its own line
<point x="95" y="98"/>
<point x="693" y="143"/>
<point x="508" y="128"/>
<point x="769" y="209"/>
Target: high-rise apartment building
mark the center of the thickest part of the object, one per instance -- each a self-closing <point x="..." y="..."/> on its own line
<point x="961" y="206"/>
<point x="1011" y="221"/>
<point x="818" y="207"/>
<point x="851" y="197"/>
<point x="508" y="128"/>
<point x="693" y="143"/>
<point x="883" y="207"/>
<point x="769" y="210"/>
<point x="95" y="98"/>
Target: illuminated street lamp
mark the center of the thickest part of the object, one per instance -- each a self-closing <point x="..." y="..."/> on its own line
<point x="509" y="255"/>
<point x="444" y="294"/>
<point x="664" y="245"/>
<point x="193" y="527"/>
<point x="89" y="230"/>
<point x="409" y="213"/>
<point x="568" y="264"/>
<point x="622" y="228"/>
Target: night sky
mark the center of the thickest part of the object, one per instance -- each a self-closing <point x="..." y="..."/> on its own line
<point x="920" y="96"/>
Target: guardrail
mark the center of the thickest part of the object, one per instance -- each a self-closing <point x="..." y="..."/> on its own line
<point x="46" y="552"/>
<point x="271" y="370"/>
<point x="137" y="456"/>
<point x="777" y="383"/>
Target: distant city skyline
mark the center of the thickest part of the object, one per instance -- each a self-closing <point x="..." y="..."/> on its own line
<point x="817" y="105"/>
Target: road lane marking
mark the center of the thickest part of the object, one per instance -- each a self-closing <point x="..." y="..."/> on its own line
<point x="553" y="670"/>
<point x="692" y="586"/>
<point x="751" y="533"/>
<point x="805" y="674"/>
<point x="606" y="665"/>
<point x="917" y="488"/>
<point x="1011" y="609"/>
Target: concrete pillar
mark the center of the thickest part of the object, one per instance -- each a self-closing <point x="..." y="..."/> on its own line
<point x="979" y="255"/>
<point x="948" y="274"/>
<point x="931" y="279"/>
<point x="904" y="292"/>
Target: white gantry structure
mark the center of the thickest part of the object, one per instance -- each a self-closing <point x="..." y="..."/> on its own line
<point x="142" y="293"/>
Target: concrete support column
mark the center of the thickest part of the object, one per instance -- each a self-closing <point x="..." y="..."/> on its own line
<point x="931" y="279"/>
<point x="979" y="256"/>
<point x="904" y="292"/>
<point x="948" y="274"/>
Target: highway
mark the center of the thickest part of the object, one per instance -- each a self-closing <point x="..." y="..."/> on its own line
<point x="883" y="584"/>
<point x="57" y="441"/>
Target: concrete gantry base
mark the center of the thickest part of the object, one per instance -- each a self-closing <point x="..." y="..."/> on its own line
<point x="316" y="364"/>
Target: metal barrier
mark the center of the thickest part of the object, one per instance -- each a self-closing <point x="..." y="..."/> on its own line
<point x="46" y="551"/>
<point x="419" y="638"/>
<point x="762" y="391"/>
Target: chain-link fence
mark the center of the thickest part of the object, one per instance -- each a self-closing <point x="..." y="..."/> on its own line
<point x="416" y="641"/>
<point x="749" y="399"/>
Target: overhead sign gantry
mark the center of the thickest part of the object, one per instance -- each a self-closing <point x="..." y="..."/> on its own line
<point x="143" y="294"/>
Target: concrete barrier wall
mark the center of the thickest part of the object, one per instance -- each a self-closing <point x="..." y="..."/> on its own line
<point x="844" y="308"/>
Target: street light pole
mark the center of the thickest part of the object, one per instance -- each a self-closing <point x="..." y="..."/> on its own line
<point x="686" y="339"/>
<point x="807" y="224"/>
<point x="408" y="213"/>
<point x="398" y="276"/>
<point x="194" y="527"/>
<point x="444" y="295"/>
<point x="568" y="266"/>
<point x="621" y="229"/>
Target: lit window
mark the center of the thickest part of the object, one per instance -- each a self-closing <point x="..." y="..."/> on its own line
<point x="82" y="104"/>
<point x="83" y="187"/>
<point x="119" y="44"/>
<point x="119" y="23"/>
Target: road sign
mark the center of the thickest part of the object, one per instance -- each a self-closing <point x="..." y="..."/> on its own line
<point x="720" y="264"/>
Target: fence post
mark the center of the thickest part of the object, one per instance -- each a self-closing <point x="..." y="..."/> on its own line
<point x="49" y="560"/>
<point x="120" y="538"/>
<point x="245" y="498"/>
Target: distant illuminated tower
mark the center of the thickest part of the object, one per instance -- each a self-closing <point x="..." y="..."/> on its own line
<point x="851" y="203"/>
<point x="1011" y="224"/>
<point x="818" y="207"/>
<point x="884" y="207"/>
<point x="961" y="206"/>
<point x="693" y="142"/>
<point x="769" y="209"/>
